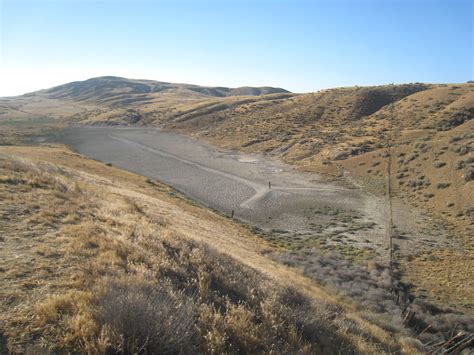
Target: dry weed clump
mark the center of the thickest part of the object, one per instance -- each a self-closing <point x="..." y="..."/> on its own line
<point x="142" y="317"/>
<point x="369" y="286"/>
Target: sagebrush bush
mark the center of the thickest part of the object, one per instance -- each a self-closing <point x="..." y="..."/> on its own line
<point x="146" y="318"/>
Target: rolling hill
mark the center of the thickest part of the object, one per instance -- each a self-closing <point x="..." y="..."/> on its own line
<point x="115" y="91"/>
<point x="411" y="144"/>
<point x="117" y="99"/>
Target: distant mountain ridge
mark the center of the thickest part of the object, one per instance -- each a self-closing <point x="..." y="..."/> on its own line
<point x="111" y="88"/>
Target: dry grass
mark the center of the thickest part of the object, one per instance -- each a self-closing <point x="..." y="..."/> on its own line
<point x="89" y="265"/>
<point x="429" y="170"/>
<point x="305" y="129"/>
<point x="344" y="129"/>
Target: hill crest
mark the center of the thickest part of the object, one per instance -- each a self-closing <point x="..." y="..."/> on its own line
<point x="106" y="87"/>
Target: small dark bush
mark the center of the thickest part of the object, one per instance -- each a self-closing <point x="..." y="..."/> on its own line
<point x="460" y="164"/>
<point x="146" y="319"/>
<point x="469" y="174"/>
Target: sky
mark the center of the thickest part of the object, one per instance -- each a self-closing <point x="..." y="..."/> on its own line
<point x="299" y="45"/>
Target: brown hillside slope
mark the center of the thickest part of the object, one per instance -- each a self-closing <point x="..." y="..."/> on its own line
<point x="120" y="100"/>
<point x="431" y="135"/>
<point x="298" y="127"/>
<point x="332" y="124"/>
<point x="344" y="132"/>
<point x="86" y="248"/>
<point x="320" y="131"/>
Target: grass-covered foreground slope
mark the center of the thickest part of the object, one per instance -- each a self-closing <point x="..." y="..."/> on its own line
<point x="95" y="259"/>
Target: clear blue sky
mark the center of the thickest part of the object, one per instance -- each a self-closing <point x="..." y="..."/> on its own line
<point x="299" y="45"/>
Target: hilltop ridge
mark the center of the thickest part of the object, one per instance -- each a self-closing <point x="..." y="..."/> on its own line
<point x="111" y="89"/>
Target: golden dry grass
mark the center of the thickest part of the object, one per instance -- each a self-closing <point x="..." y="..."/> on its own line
<point x="336" y="131"/>
<point x="85" y="246"/>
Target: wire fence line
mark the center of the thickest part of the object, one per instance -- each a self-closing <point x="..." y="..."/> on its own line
<point x="455" y="342"/>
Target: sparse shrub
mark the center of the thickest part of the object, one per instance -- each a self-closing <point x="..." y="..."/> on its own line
<point x="463" y="150"/>
<point x="147" y="318"/>
<point x="370" y="287"/>
<point x="443" y="185"/>
<point x="469" y="174"/>
<point x="460" y="164"/>
<point x="411" y="157"/>
<point x="439" y="164"/>
<point x="420" y="145"/>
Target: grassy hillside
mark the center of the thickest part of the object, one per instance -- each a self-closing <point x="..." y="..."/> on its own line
<point x="426" y="132"/>
<point x="120" y="100"/>
<point x="96" y="259"/>
<point x="422" y="134"/>
<point x="300" y="128"/>
<point x="350" y="127"/>
<point x="111" y="90"/>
